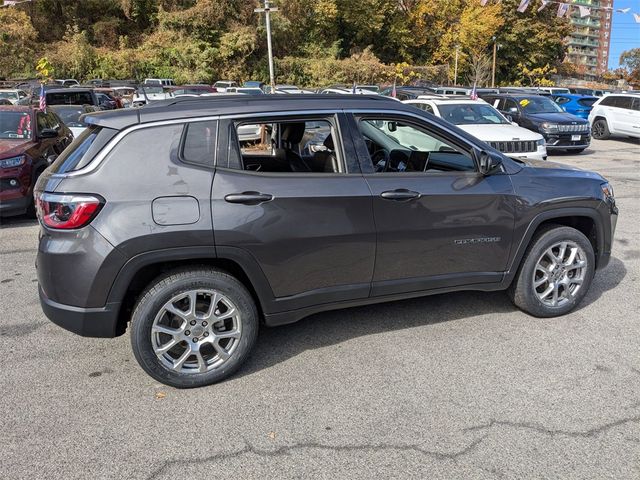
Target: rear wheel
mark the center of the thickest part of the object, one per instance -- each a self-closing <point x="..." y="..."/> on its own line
<point x="555" y="274"/>
<point x="194" y="327"/>
<point x="600" y="129"/>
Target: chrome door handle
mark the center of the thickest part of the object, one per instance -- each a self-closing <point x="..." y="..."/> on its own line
<point x="248" y="198"/>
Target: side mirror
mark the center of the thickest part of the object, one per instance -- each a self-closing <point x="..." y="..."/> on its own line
<point x="392" y="126"/>
<point x="486" y="162"/>
<point x="48" y="133"/>
<point x="513" y="111"/>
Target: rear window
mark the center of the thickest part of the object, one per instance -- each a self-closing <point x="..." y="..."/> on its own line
<point x="83" y="149"/>
<point x="70" y="98"/>
<point x="587" y="102"/>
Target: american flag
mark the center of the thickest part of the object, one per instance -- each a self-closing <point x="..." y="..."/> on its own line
<point x="43" y="100"/>
<point x="474" y="93"/>
<point x="393" y="90"/>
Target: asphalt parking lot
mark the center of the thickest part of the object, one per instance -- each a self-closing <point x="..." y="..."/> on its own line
<point x="451" y="386"/>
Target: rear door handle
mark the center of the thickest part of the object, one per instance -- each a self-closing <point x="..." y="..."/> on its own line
<point x="248" y="198"/>
<point x="400" y="195"/>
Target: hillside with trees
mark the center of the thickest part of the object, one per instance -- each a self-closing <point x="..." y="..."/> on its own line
<point x="316" y="42"/>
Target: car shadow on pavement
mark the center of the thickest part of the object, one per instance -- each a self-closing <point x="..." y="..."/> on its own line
<point x="18" y="221"/>
<point x="276" y="345"/>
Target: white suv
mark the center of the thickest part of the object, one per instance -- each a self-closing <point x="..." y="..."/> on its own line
<point x="486" y="123"/>
<point x="616" y="114"/>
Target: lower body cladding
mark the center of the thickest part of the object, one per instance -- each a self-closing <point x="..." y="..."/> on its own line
<point x="566" y="141"/>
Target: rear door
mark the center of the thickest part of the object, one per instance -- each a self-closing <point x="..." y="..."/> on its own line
<point x="440" y="223"/>
<point x="308" y="223"/>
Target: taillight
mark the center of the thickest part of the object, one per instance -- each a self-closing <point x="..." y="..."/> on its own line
<point x="67" y="211"/>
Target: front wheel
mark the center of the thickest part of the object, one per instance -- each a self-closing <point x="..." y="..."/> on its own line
<point x="193" y="327"/>
<point x="555" y="273"/>
<point x="600" y="129"/>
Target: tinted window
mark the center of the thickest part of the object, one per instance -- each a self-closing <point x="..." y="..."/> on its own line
<point x="561" y="100"/>
<point x="607" y="101"/>
<point x="509" y="104"/>
<point x="622" y="102"/>
<point x="71" y="97"/>
<point x="200" y="143"/>
<point x="587" y="102"/>
<point x="636" y="104"/>
<point x="397" y="147"/>
<point x="83" y="149"/>
<point x="538" y="104"/>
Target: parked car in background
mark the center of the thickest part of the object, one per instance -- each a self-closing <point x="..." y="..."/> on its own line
<point x="452" y="90"/>
<point x="287" y="90"/>
<point x="149" y="93"/>
<point x="4" y="101"/>
<point x="616" y="114"/>
<point x="160" y="82"/>
<point x="192" y="90"/>
<point x="29" y="141"/>
<point x="561" y="130"/>
<point x="407" y="92"/>
<point x="346" y="91"/>
<point x="369" y="218"/>
<point x="67" y="82"/>
<point x="13" y="95"/>
<point x="254" y="84"/>
<point x="70" y="116"/>
<point x="553" y="90"/>
<point x="373" y="88"/>
<point x="484" y="122"/>
<point x="106" y="101"/>
<point x="72" y="96"/>
<point x="245" y="90"/>
<point x="578" y="105"/>
<point x="222" y="85"/>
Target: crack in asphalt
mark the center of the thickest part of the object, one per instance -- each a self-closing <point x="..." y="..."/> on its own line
<point x="551" y="432"/>
<point x="287" y="449"/>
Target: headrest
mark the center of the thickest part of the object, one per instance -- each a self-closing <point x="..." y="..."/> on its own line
<point x="293" y="132"/>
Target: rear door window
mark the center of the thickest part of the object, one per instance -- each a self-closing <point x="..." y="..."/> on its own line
<point x="199" y="143"/>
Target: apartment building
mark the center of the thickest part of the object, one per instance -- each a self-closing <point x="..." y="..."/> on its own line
<point x="588" y="45"/>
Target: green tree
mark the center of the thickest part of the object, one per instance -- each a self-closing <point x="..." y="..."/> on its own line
<point x="630" y="61"/>
<point x="17" y="42"/>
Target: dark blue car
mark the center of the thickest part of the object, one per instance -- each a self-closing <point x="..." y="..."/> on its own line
<point x="579" y="105"/>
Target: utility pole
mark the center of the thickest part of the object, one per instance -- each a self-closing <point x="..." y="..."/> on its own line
<point x="455" y="68"/>
<point x="267" y="11"/>
<point x="493" y="69"/>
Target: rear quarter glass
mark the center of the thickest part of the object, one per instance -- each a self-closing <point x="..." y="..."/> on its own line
<point x="83" y="149"/>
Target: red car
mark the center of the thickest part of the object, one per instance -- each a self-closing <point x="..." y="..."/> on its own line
<point x="29" y="141"/>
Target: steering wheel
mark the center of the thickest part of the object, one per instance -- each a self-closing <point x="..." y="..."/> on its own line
<point x="380" y="156"/>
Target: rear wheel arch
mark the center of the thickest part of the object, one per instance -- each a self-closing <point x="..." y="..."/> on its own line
<point x="141" y="271"/>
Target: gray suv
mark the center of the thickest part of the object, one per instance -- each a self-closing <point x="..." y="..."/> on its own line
<point x="162" y="220"/>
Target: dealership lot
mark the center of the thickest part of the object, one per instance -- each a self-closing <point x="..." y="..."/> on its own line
<point x="451" y="386"/>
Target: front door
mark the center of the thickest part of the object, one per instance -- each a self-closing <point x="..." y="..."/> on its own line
<point x="295" y="200"/>
<point x="440" y="222"/>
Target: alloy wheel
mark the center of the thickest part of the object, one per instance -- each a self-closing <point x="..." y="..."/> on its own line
<point x="196" y="331"/>
<point x="559" y="273"/>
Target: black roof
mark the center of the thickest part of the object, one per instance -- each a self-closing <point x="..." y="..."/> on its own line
<point x="68" y="90"/>
<point x="190" y="107"/>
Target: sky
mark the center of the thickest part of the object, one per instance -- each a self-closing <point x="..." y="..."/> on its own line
<point x="625" y="32"/>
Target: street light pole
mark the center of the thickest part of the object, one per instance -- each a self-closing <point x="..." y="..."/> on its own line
<point x="455" y="68"/>
<point x="493" y="69"/>
<point x="267" y="11"/>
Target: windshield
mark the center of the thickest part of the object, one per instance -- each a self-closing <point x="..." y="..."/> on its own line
<point x="539" y="105"/>
<point x="471" y="114"/>
<point x="15" y="125"/>
<point x="9" y="95"/>
<point x="70" y="116"/>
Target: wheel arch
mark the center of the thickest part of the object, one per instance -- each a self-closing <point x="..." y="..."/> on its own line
<point x="136" y="275"/>
<point x="585" y="220"/>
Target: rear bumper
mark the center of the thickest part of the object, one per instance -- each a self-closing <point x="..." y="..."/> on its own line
<point x="88" y="322"/>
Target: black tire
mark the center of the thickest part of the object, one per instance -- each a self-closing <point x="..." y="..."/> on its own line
<point x="166" y="287"/>
<point x="522" y="291"/>
<point x="600" y="129"/>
